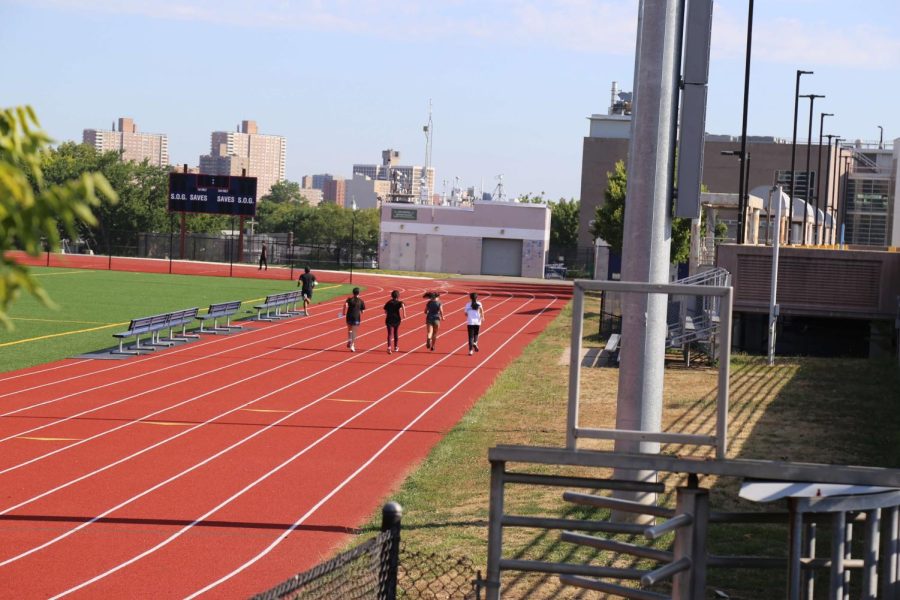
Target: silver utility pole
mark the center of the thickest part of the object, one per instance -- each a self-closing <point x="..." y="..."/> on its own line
<point x="776" y="243"/>
<point x="648" y="223"/>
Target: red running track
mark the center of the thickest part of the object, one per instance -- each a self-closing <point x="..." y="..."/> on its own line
<point x="224" y="466"/>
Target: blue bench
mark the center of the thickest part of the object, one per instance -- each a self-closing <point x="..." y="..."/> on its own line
<point x="153" y="325"/>
<point x="277" y="302"/>
<point x="222" y="310"/>
<point x="179" y="318"/>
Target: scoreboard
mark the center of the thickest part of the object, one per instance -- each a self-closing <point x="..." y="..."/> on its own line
<point x="214" y="194"/>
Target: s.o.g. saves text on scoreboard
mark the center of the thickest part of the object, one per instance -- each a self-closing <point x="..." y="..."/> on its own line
<point x="215" y="194"/>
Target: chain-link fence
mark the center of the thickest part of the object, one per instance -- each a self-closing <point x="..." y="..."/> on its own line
<point x="381" y="568"/>
<point x="426" y="576"/>
<point x="362" y="573"/>
<point x="226" y="247"/>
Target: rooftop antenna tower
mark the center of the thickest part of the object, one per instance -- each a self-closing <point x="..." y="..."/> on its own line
<point x="424" y="191"/>
<point x="498" y="194"/>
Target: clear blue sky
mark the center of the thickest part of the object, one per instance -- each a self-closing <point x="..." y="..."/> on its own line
<point x="512" y="81"/>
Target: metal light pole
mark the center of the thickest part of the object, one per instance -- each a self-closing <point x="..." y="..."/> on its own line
<point x="794" y="150"/>
<point x="837" y="181"/>
<point x="812" y="99"/>
<point x="352" y="234"/>
<point x="745" y="174"/>
<point x="739" y="234"/>
<point x="847" y="162"/>
<point x="773" y="291"/>
<point x="819" y="177"/>
<point x="827" y="202"/>
<point x="880" y="137"/>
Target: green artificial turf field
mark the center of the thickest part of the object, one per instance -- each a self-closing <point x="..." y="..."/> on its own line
<point x="92" y="305"/>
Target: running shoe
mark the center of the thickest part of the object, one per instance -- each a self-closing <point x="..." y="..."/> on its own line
<point x="389" y="349"/>
<point x="396" y="348"/>
<point x="475" y="346"/>
<point x="470" y="353"/>
<point x="352" y="348"/>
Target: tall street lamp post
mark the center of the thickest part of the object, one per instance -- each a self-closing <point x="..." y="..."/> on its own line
<point x="819" y="177"/>
<point x="837" y="183"/>
<point x="880" y="137"/>
<point x="742" y="191"/>
<point x="794" y="151"/>
<point x="352" y="235"/>
<point x="745" y="164"/>
<point x="806" y="198"/>
<point x="827" y="195"/>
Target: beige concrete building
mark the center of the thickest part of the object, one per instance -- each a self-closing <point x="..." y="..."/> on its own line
<point x="131" y="145"/>
<point x="261" y="155"/>
<point x="487" y="238"/>
<point x="856" y="190"/>
<point x="406" y="179"/>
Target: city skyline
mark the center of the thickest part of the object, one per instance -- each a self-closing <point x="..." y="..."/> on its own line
<point x="512" y="82"/>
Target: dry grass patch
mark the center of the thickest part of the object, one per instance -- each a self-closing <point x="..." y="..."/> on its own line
<point x="812" y="410"/>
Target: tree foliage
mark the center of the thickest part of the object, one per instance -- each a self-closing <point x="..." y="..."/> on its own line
<point x="609" y="218"/>
<point x="34" y="207"/>
<point x="284" y="191"/>
<point x="325" y="224"/>
<point x="564" y="224"/>
<point x="563" y="220"/>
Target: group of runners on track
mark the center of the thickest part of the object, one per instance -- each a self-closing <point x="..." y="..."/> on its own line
<point x="395" y="312"/>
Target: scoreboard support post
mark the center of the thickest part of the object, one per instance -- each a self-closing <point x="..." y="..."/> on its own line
<point x="181" y="256"/>
<point x="241" y="239"/>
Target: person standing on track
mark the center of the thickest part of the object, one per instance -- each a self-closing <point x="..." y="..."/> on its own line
<point x="263" y="258"/>
<point x="393" y="310"/>
<point x="353" y="309"/>
<point x="474" y="319"/>
<point x="308" y="282"/>
<point x="434" y="313"/>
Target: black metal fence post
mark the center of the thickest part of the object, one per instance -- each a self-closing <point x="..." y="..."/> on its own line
<point x="171" y="237"/>
<point x="391" y="515"/>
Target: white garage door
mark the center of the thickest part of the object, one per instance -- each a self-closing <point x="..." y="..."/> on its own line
<point x="501" y="257"/>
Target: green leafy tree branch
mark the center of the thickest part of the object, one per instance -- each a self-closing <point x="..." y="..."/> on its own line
<point x="34" y="211"/>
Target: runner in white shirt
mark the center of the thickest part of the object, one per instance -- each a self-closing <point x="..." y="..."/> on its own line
<point x="474" y="319"/>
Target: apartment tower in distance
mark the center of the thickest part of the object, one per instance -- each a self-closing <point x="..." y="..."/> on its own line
<point x="261" y="155"/>
<point x="130" y="144"/>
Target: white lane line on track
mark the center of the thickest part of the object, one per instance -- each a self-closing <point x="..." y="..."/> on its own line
<point x="147" y="359"/>
<point x="170" y="407"/>
<point x="353" y="475"/>
<point x="166" y="385"/>
<point x="65" y="365"/>
<point x="221" y="452"/>
<point x="186" y="431"/>
<point x="284" y="464"/>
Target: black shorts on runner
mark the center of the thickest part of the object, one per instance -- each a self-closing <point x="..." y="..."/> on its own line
<point x="306" y="294"/>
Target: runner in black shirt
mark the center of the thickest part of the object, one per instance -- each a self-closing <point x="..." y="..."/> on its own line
<point x="308" y="281"/>
<point x="392" y="311"/>
<point x="263" y="258"/>
<point x="433" y="315"/>
<point x="353" y="309"/>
